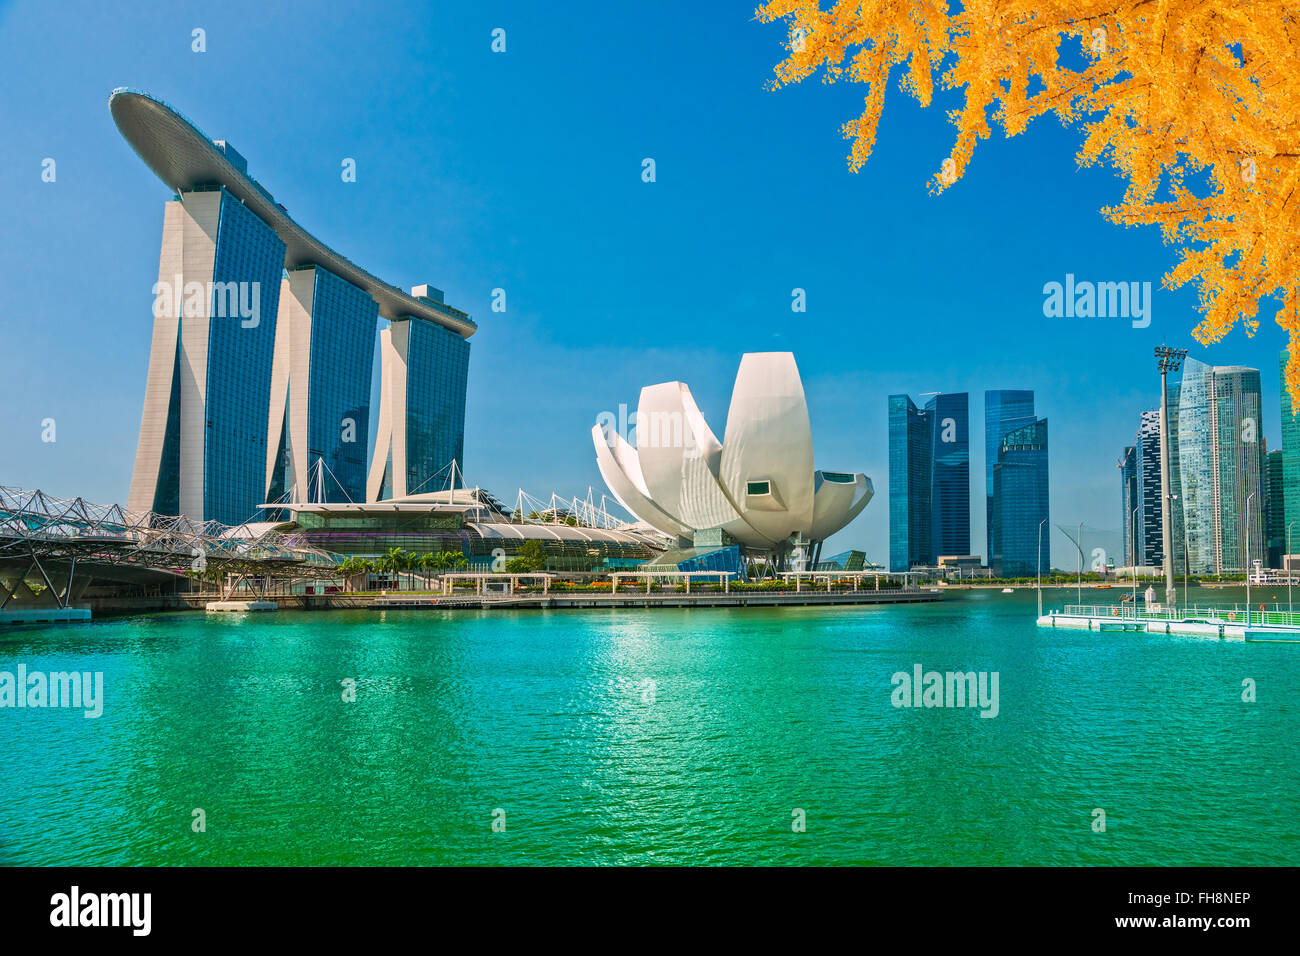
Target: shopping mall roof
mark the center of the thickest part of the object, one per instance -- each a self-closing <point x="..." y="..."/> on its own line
<point x="555" y="532"/>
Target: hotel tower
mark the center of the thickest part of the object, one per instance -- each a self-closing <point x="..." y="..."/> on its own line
<point x="259" y="387"/>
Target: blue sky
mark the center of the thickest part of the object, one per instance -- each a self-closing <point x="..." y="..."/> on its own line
<point x="522" y="170"/>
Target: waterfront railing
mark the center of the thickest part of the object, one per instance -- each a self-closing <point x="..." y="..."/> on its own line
<point x="1236" y="614"/>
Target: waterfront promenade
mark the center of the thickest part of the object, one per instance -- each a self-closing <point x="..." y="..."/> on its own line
<point x="556" y="600"/>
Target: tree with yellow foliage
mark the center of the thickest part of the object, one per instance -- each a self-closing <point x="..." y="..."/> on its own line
<point x="1196" y="103"/>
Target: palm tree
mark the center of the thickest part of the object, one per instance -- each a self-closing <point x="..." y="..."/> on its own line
<point x="350" y="568"/>
<point x="424" y="562"/>
<point x="392" y="562"/>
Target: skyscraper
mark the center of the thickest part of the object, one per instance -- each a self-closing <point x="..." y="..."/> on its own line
<point x="259" y="377"/>
<point x="929" y="479"/>
<point x="1220" y="467"/>
<point x="422" y="415"/>
<point x="1290" y="450"/>
<point x="1239" y="471"/>
<point x="949" y="415"/>
<point x="202" y="447"/>
<point x="1004" y="411"/>
<point x="319" y="425"/>
<point x="1178" y="536"/>
<point x="911" y="526"/>
<point x="1275" y="508"/>
<point x="1150" y="527"/>
<point x="1020" y="502"/>
<point x="1143" y="487"/>
<point x="1128" y="498"/>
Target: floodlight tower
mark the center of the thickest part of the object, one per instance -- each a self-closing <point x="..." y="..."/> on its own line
<point x="1167" y="360"/>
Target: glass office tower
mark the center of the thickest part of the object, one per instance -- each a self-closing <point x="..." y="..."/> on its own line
<point x="1004" y="411"/>
<point x="1150" y="520"/>
<point x="1239" y="468"/>
<point x="929" y="479"/>
<point x="1179" y="536"/>
<point x="202" y="448"/>
<point x="910" y="517"/>
<point x="1020" y="503"/>
<point x="1220" y="467"/>
<point x="1129" y="498"/>
<point x="949" y="419"/>
<point x="319" y="423"/>
<point x="1196" y="465"/>
<point x="1290" y="451"/>
<point x="1275" y="508"/>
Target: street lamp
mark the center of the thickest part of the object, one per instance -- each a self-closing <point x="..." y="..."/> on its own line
<point x="1040" y="566"/>
<point x="1168" y="360"/>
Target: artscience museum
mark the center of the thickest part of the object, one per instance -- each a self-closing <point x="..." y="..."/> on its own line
<point x="756" y="491"/>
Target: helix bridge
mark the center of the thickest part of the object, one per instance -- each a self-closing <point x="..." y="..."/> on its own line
<point x="52" y="549"/>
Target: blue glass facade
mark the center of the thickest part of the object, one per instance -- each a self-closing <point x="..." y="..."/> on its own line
<point x="1275" y="508"/>
<point x="929" y="479"/>
<point x="1020" y="502"/>
<point x="1196" y="464"/>
<point x="724" y="559"/>
<point x="167" y="492"/>
<point x="437" y="370"/>
<point x="1129" y="498"/>
<point x="910" y="521"/>
<point x="949" y="415"/>
<point x="342" y="354"/>
<point x="239" y="365"/>
<point x="1004" y="411"/>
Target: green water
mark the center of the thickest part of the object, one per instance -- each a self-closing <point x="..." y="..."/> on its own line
<point x="549" y="717"/>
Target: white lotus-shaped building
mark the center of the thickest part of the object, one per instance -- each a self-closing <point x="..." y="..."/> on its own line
<point x="758" y="485"/>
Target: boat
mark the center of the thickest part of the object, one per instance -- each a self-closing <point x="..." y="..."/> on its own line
<point x="1008" y="590"/>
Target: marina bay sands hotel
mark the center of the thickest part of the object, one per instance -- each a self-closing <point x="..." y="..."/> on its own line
<point x="259" y="386"/>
